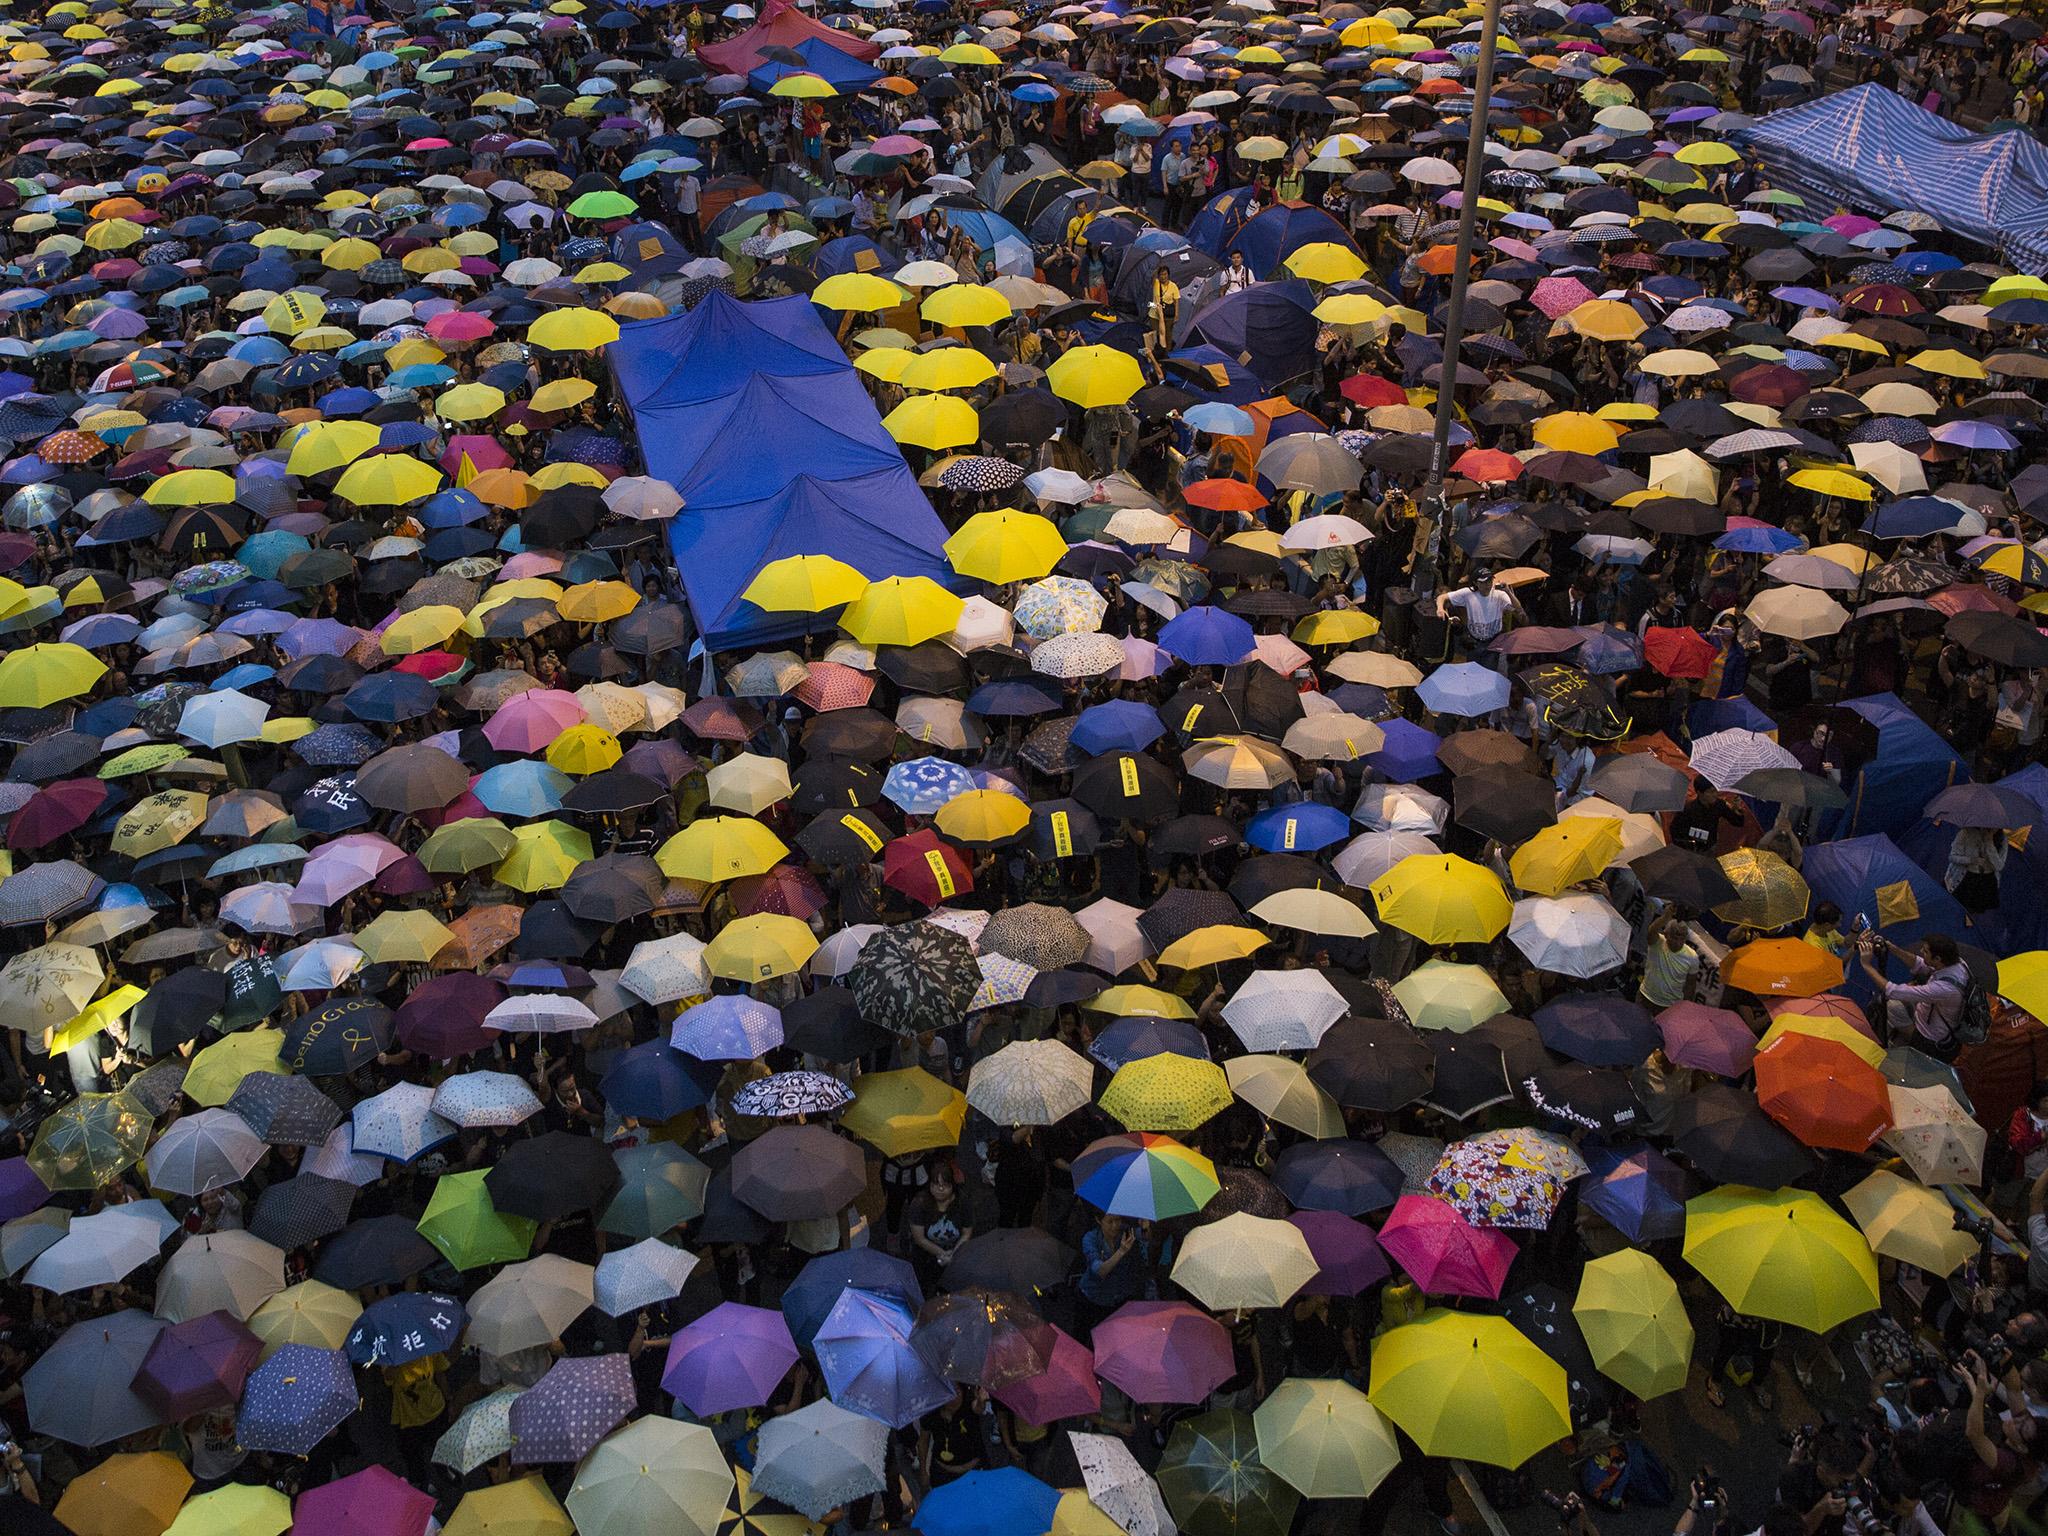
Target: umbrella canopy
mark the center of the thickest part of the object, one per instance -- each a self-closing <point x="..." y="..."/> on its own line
<point x="1780" y="1254"/>
<point x="1463" y="1385"/>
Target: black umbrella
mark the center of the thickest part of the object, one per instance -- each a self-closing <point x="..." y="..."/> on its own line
<point x="614" y="888"/>
<point x="797" y="1173"/>
<point x="284" y="1109"/>
<point x="378" y="1250"/>
<point x="844" y="838"/>
<point x="1680" y="875"/>
<point x="551" y="1176"/>
<point x="337" y="1038"/>
<point x="1730" y="1140"/>
<point x="1351" y="1177"/>
<point x="827" y="1024"/>
<point x="983" y="1338"/>
<point x="1372" y="1064"/>
<point x="1021" y="1260"/>
<point x="1063" y="829"/>
<point x="2001" y="637"/>
<point x="1183" y="909"/>
<point x="1588" y="1098"/>
<point x="914" y="978"/>
<point x="1503" y="804"/>
<point x="1601" y="1029"/>
<point x="301" y="1210"/>
<point x="1471" y="1076"/>
<point x="177" y="1009"/>
<point x="827" y="785"/>
<point x="1127" y="786"/>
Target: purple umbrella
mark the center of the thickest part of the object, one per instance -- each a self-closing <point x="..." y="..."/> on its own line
<point x="1638" y="1190"/>
<point x="1065" y="1389"/>
<point x="20" y="1190"/>
<point x="1347" y="1251"/>
<point x="580" y="1401"/>
<point x="870" y="1366"/>
<point x="1711" y="1039"/>
<point x="730" y="1027"/>
<point x="734" y="1356"/>
<point x="372" y="1502"/>
<point x="1162" y="1352"/>
<point x="198" y="1364"/>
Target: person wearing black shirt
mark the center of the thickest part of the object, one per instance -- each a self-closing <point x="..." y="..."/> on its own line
<point x="1698" y="826"/>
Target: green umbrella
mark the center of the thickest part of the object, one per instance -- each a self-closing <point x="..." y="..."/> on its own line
<point x="1216" y="1485"/>
<point x="603" y="205"/>
<point x="470" y="1232"/>
<point x="90" y="1140"/>
<point x="662" y="1187"/>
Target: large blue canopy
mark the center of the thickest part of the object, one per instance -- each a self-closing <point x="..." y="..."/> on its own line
<point x="755" y="416"/>
<point x="1872" y="149"/>
<point x="842" y="71"/>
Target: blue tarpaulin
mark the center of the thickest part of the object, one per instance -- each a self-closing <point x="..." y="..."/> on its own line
<point x="1873" y="150"/>
<point x="1911" y="766"/>
<point x="753" y="413"/>
<point x="1871" y="876"/>
<point x="842" y="71"/>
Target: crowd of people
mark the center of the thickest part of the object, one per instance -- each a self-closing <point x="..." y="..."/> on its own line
<point x="813" y="772"/>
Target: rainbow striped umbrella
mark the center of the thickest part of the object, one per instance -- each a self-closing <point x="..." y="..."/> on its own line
<point x="1145" y="1176"/>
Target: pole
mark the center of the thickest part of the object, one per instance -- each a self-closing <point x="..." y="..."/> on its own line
<point x="1468" y="225"/>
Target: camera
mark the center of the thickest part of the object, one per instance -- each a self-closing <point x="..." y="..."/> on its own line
<point x="1567" y="1505"/>
<point x="1991" y="1348"/>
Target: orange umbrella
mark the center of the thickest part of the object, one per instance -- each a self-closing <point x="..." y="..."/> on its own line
<point x="1826" y="1005"/>
<point x="1822" y="1092"/>
<point x="1782" y="968"/>
<point x="1438" y="260"/>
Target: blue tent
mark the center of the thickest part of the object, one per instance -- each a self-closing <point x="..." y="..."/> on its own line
<point x="852" y="253"/>
<point x="1278" y="232"/>
<point x="842" y="71"/>
<point x="1220" y="219"/>
<point x="2020" y="920"/>
<point x="1872" y="149"/>
<point x="707" y="388"/>
<point x="1269" y="326"/>
<point x="1911" y="765"/>
<point x="1872" y="876"/>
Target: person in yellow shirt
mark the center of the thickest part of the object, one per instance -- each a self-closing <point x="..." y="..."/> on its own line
<point x="1165" y="307"/>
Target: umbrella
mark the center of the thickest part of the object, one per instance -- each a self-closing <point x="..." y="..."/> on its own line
<point x="1634" y="1323"/>
<point x="370" y="1500"/>
<point x="407" y="1326"/>
<point x="1035" y="1082"/>
<point x="1469" y="1386"/>
<point x="1005" y="1502"/>
<point x="1443" y="1251"/>
<point x="219" y="1271"/>
<point x="198" y="1365"/>
<point x="654" y="1474"/>
<point x="1909" y="1222"/>
<point x="733" y="1357"/>
<point x="481" y="1433"/>
<point x="80" y="1390"/>
<point x="797" y="1173"/>
<point x="1637" y="1190"/>
<point x="132" y="1491"/>
<point x="1243" y="1261"/>
<point x="563" y="1416"/>
<point x="1325" y="1439"/>
<point x="525" y="1305"/>
<point x="1144" y="1176"/>
<point x="1162" y="1352"/>
<point x="820" y="1457"/>
<point x="1780" y="1254"/>
<point x="864" y="1350"/>
<point x="295" y="1399"/>
<point x="1506" y="1178"/>
<point x="1118" y="1486"/>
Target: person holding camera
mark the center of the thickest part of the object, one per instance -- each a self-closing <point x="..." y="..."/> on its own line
<point x="1706" y="1507"/>
<point x="19" y="1482"/>
<point x="1928" y="1008"/>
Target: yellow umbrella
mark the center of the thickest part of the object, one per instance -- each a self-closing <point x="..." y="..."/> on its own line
<point x="133" y="1494"/>
<point x="1947" y="362"/>
<point x="2022" y="978"/>
<point x="1679" y="363"/>
<point x="1443" y="899"/>
<point x="1134" y="1001"/>
<point x="1005" y="546"/>
<point x="1074" y="1515"/>
<point x="573" y="330"/>
<point x="935" y="422"/>
<point x="1826" y="1027"/>
<point x="970" y="53"/>
<point x="1909" y="1222"/>
<point x="862" y="292"/>
<point x="290" y="313"/>
<point x="1092" y="376"/>
<point x="1350" y="309"/>
<point x="562" y="395"/>
<point x="584" y="749"/>
<point x="522" y="1508"/>
<point x="1470" y="1386"/>
<point x="191" y="488"/>
<point x="1832" y="482"/>
<point x="158" y="821"/>
<point x="802" y="86"/>
<point x="660" y="1475"/>
<point x="311" y="1312"/>
<point x="325" y="445"/>
<point x="1335" y="626"/>
<point x="218" y="1070"/>
<point x="804" y="584"/>
<point x="1565" y="853"/>
<point x="469" y="402"/>
<point x="902" y="610"/>
<point x="946" y="368"/>
<point x="237" y="1509"/>
<point x="1280" y="1088"/>
<point x="387" y="480"/>
<point x="1442" y="994"/>
<point x="721" y="848"/>
<point x="597" y="602"/>
<point x="983" y="817"/>
<point x="1244" y="1261"/>
<point x="420" y="630"/>
<point x="904" y="1112"/>
<point x="1325" y="1438"/>
<point x="759" y="947"/>
<point x="1214" y="944"/>
<point x="962" y="304"/>
<point x="1769" y="893"/>
<point x="1166" y="1093"/>
<point x="1634" y="1322"/>
<point x="403" y="936"/>
<point x="1780" y="1254"/>
<point x="466" y="844"/>
<point x="1606" y="320"/>
<point x="96" y="1016"/>
<point x="1576" y="432"/>
<point x="47" y="673"/>
<point x="1325" y="261"/>
<point x="544" y="855"/>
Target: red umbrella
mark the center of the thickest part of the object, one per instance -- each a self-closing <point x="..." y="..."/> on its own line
<point x="1822" y="1092"/>
<point x="54" y="811"/>
<point x="1488" y="466"/>
<point x="1828" y="1005"/>
<point x="1711" y="1039"/>
<point x="1677" y="651"/>
<point x="1445" y="1253"/>
<point x="444" y="1016"/>
<point x="1162" y="1352"/>
<point x="1770" y="384"/>
<point x="1882" y="299"/>
<point x="460" y="325"/>
<point x="1223" y="496"/>
<point x="790" y="891"/>
<point x="833" y="685"/>
<point x="926" y="869"/>
<point x="430" y="664"/>
<point x="1065" y="1389"/>
<point x="1370" y="390"/>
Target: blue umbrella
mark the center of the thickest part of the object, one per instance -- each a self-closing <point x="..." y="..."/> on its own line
<point x="1407" y="754"/>
<point x="522" y="788"/>
<point x="1464" y="688"/>
<point x="1758" y="541"/>
<point x="1134" y="1039"/>
<point x="1299" y="828"/>
<point x="1637" y="1190"/>
<point x="1007" y="1502"/>
<point x="653" y="1081"/>
<point x="295" y="1399"/>
<point x="923" y="784"/>
<point x="1913" y="517"/>
<point x="1207" y="637"/>
<point x="1119" y="725"/>
<point x="1608" y="648"/>
<point x="388" y="697"/>
<point x="404" y="1327"/>
<point x="869" y="1365"/>
<point x="810" y="1298"/>
<point x="1601" y="1029"/>
<point x="730" y="1027"/>
<point x="1216" y="417"/>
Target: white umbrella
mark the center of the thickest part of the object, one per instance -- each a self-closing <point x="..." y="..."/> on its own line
<point x="485" y="1100"/>
<point x="223" y="718"/>
<point x="1284" y="1010"/>
<point x="1369" y="856"/>
<point x="399" y="1123"/>
<point x="482" y="1433"/>
<point x="1115" y="942"/>
<point x="644" y="1275"/>
<point x="1725" y="758"/>
<point x="820" y="1457"/>
<point x="666" y="970"/>
<point x="836" y="955"/>
<point x="320" y="966"/>
<point x="96" y="1250"/>
<point x="1031" y="1082"/>
<point x="219" y="1272"/>
<point x="1577" y="935"/>
<point x="209" y="1150"/>
<point x="336" y="1158"/>
<point x="1119" y="1487"/>
<point x="1400" y="808"/>
<point x="529" y="1304"/>
<point x="545" y="1013"/>
<point x="47" y="986"/>
<point x="26" y="1236"/>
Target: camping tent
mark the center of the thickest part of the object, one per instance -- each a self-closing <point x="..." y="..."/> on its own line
<point x="1871" y="876"/>
<point x="1270" y="326"/>
<point x="782" y="25"/>
<point x="825" y="57"/>
<point x="1910" y="767"/>
<point x="1872" y="149"/>
<point x="2020" y="920"/>
<point x="708" y="388"/>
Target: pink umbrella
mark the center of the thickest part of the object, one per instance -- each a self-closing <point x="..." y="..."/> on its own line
<point x="1065" y="1389"/>
<point x="530" y="562"/>
<point x="1559" y="296"/>
<point x="1712" y="1039"/>
<point x="1444" y="1253"/>
<point x="528" y="721"/>
<point x="481" y="450"/>
<point x="1828" y="1005"/>
<point x="460" y="325"/>
<point x="371" y="1502"/>
<point x="734" y="1356"/>
<point x="1162" y="1352"/>
<point x="895" y="144"/>
<point x="346" y="864"/>
<point x="1346" y="1251"/>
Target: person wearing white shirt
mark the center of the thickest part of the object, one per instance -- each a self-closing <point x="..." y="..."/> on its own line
<point x="1483" y="607"/>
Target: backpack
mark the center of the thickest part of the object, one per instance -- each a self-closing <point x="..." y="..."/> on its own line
<point x="1973" y="1019"/>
